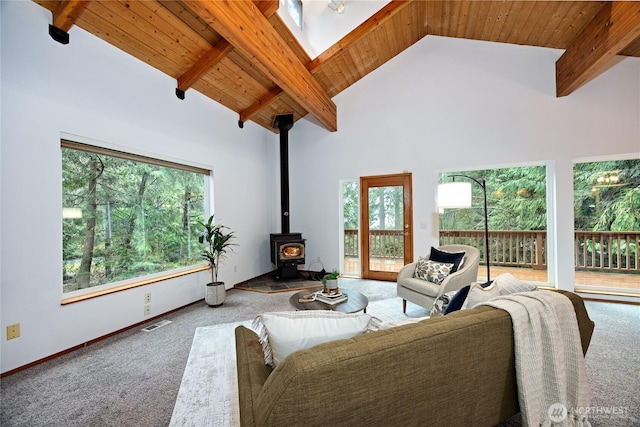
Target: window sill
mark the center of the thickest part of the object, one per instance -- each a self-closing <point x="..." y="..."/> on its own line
<point x="89" y="293"/>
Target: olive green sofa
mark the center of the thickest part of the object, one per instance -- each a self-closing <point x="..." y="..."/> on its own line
<point x="453" y="370"/>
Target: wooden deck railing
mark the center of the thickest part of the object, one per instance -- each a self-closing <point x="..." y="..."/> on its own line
<point x="607" y="251"/>
<point x="351" y="242"/>
<point x="384" y="243"/>
<point x="508" y="248"/>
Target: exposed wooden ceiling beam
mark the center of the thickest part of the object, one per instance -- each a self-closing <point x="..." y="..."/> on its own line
<point x="267" y="7"/>
<point x="218" y="52"/>
<point x="242" y="25"/>
<point x="211" y="58"/>
<point x="350" y="39"/>
<point x="615" y="27"/>
<point x="67" y="14"/>
<point x="261" y="103"/>
<point x="64" y="17"/>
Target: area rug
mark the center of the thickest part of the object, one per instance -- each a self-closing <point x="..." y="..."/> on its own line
<point x="208" y="394"/>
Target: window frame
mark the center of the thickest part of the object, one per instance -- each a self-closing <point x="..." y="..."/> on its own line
<point x="298" y="6"/>
<point x="549" y="219"/>
<point x="113" y="150"/>
<point x="590" y="288"/>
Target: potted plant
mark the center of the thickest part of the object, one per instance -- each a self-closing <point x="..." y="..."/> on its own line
<point x="330" y="282"/>
<point x="218" y="243"/>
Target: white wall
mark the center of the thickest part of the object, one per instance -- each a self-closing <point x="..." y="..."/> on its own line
<point x="94" y="90"/>
<point x="443" y="104"/>
<point x="452" y="104"/>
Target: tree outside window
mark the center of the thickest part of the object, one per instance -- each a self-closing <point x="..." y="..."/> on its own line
<point x="517" y="216"/>
<point x="125" y="217"/>
<point x="516" y="200"/>
<point x="607" y="223"/>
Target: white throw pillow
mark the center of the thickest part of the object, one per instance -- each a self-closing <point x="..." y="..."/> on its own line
<point x="477" y="294"/>
<point x="508" y="284"/>
<point x="282" y="333"/>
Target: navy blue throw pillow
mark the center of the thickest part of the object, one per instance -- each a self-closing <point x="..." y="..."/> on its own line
<point x="457" y="300"/>
<point x="447" y="257"/>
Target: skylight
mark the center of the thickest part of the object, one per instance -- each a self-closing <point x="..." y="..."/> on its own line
<point x="294" y="7"/>
<point x="323" y="26"/>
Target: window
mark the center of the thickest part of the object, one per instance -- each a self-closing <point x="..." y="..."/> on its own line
<point x="517" y="217"/>
<point x="607" y="225"/>
<point x="350" y="228"/>
<point x="126" y="216"/>
<point x="294" y="8"/>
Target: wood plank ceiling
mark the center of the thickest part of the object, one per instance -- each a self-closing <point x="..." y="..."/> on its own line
<point x="242" y="55"/>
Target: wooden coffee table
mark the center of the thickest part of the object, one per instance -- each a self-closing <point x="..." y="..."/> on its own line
<point x="355" y="302"/>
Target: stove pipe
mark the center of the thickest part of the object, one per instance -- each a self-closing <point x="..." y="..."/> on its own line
<point x="284" y="122"/>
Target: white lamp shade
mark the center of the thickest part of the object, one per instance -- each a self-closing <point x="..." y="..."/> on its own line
<point x="454" y="195"/>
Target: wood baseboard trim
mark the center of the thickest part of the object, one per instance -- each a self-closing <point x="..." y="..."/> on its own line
<point x="93" y="341"/>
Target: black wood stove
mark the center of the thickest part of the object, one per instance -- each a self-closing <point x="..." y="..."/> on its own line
<point x="287" y="249"/>
<point x="287" y="252"/>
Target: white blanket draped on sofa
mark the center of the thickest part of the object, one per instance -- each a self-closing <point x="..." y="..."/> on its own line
<point x="550" y="368"/>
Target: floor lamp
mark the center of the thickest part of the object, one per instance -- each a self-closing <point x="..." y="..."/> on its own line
<point x="458" y="195"/>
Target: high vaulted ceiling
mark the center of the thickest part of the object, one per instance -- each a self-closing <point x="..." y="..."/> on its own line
<point x="242" y="55"/>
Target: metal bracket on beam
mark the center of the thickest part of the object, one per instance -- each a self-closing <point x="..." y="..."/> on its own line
<point x="240" y="124"/>
<point x="180" y="93"/>
<point x="58" y="35"/>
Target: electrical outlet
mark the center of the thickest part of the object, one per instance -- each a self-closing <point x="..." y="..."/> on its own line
<point x="13" y="331"/>
<point x="147" y="309"/>
<point x="147" y="298"/>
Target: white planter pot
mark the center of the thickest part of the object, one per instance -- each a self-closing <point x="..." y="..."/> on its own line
<point x="331" y="285"/>
<point x="215" y="293"/>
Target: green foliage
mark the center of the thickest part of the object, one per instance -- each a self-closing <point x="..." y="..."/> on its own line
<point x="386" y="207"/>
<point x="607" y="195"/>
<point x="350" y="204"/>
<point x="516" y="200"/>
<point x="218" y="242"/>
<point x="386" y="210"/>
<point x="145" y="218"/>
<point x="330" y="276"/>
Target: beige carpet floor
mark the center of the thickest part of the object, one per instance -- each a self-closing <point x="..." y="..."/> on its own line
<point x="133" y="378"/>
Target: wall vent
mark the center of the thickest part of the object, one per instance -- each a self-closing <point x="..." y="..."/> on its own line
<point x="155" y="326"/>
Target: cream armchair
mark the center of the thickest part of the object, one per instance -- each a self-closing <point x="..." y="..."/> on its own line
<point x="424" y="293"/>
